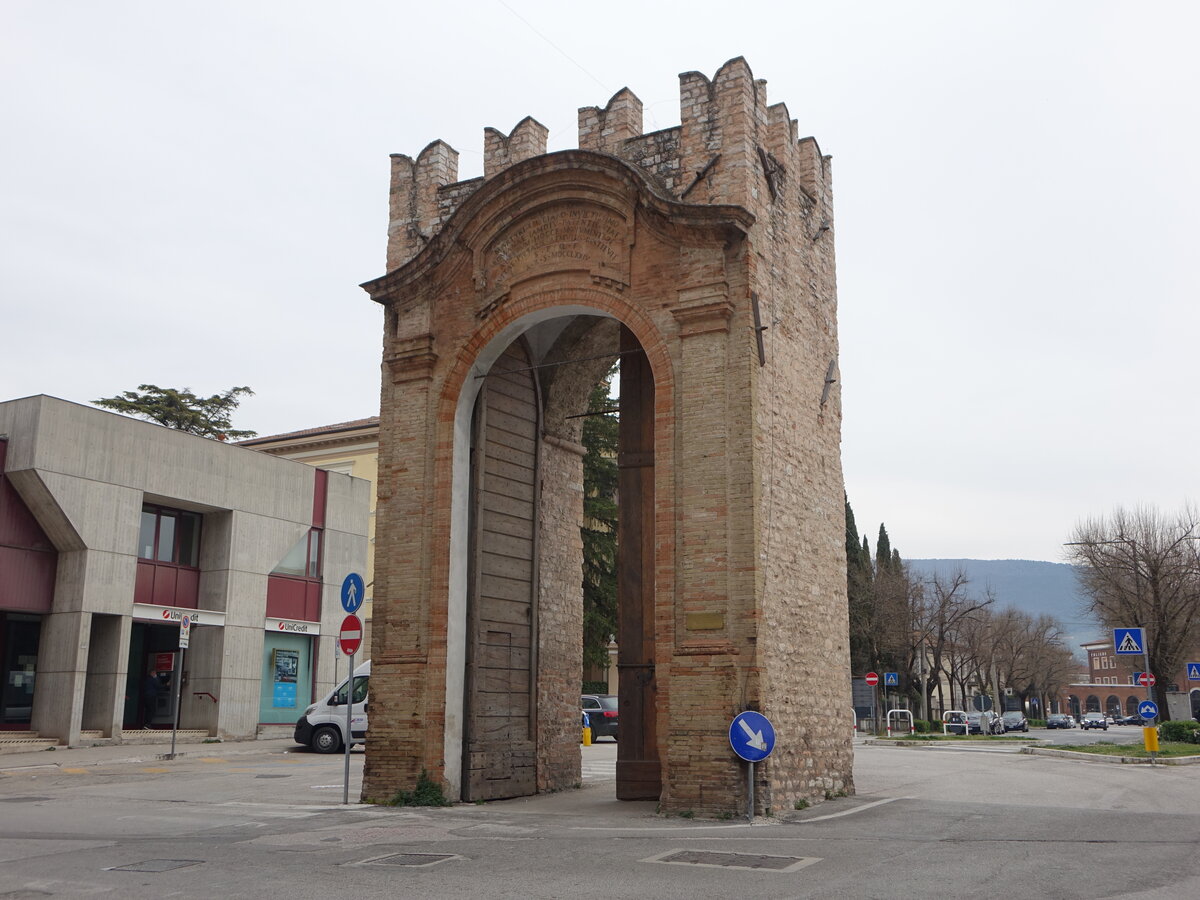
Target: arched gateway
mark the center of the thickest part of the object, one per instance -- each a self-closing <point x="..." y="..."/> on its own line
<point x="702" y="258"/>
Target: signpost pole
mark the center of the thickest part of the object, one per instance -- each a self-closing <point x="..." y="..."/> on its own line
<point x="178" y="692"/>
<point x="750" y="792"/>
<point x="1149" y="694"/>
<point x="347" y="742"/>
<point x="185" y="636"/>
<point x="349" y="636"/>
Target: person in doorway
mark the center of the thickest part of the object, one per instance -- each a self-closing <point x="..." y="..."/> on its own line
<point x="151" y="688"/>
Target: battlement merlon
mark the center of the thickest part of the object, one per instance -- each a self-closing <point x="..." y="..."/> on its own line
<point x="414" y="214"/>
<point x="730" y="147"/>
<point x="525" y="141"/>
<point x="606" y="130"/>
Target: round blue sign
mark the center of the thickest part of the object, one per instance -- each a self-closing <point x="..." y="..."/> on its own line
<point x="752" y="736"/>
<point x="353" y="592"/>
<point x="1148" y="709"/>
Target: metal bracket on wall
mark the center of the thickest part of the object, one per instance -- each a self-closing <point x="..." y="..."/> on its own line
<point x="759" y="328"/>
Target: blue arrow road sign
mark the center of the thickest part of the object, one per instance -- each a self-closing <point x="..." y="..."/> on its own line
<point x="891" y="679"/>
<point x="1148" y="709"/>
<point x="751" y="736"/>
<point x="353" y="592"/>
<point x="1193" y="671"/>
<point x="1128" y="640"/>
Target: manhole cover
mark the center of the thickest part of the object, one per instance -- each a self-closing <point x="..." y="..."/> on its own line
<point x="757" y="861"/>
<point x="409" y="859"/>
<point x="157" y="865"/>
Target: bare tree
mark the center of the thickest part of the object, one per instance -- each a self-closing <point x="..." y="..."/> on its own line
<point x="1140" y="568"/>
<point x="937" y="608"/>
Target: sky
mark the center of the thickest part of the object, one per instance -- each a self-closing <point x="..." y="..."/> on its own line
<point x="191" y="193"/>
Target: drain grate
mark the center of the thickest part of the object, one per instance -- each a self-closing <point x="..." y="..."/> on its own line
<point x="156" y="865"/>
<point x="756" y="861"/>
<point x="272" y="776"/>
<point x="21" y="800"/>
<point x="412" y="860"/>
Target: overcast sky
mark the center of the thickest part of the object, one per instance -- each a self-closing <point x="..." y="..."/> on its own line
<point x="192" y="191"/>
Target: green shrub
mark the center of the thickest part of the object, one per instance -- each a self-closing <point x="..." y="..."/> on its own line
<point x="1037" y="723"/>
<point x="1185" y="731"/>
<point x="920" y="726"/>
<point x="595" y="687"/>
<point x="426" y="793"/>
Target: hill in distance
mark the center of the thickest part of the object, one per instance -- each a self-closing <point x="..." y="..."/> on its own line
<point x="1032" y="586"/>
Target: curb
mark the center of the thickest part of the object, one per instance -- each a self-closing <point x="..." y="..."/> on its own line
<point x="1116" y="760"/>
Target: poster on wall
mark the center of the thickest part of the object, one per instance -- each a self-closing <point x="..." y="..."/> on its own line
<point x="286" y="666"/>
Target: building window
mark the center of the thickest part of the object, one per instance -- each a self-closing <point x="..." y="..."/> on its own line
<point x="170" y="536"/>
<point x="304" y="559"/>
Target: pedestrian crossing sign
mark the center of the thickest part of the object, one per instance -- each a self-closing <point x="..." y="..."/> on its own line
<point x="1193" y="671"/>
<point x="1129" y="640"/>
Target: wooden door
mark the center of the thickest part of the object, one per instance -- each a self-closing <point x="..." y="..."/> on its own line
<point x="499" y="743"/>
<point x="639" y="772"/>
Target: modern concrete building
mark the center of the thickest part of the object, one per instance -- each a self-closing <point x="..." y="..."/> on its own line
<point x="350" y="448"/>
<point x="112" y="530"/>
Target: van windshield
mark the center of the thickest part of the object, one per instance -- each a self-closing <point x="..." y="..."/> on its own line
<point x="360" y="691"/>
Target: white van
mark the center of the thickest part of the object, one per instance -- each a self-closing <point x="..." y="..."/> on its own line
<point x="323" y="725"/>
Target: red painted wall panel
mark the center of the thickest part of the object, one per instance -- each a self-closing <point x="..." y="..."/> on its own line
<point x="293" y="598"/>
<point x="27" y="580"/>
<point x="166" y="585"/>
<point x="28" y="561"/>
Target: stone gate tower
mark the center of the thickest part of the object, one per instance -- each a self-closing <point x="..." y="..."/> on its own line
<point x="701" y="257"/>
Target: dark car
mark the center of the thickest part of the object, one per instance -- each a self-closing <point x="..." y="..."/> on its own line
<point x="1135" y="719"/>
<point x="1094" y="720"/>
<point x="1060" y="720"/>
<point x="1014" y="720"/>
<point x="601" y="710"/>
<point x="985" y="723"/>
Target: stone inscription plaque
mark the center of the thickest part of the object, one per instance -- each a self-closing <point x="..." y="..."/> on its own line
<point x="566" y="238"/>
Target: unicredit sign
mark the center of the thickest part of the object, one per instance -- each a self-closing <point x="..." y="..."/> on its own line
<point x="289" y="626"/>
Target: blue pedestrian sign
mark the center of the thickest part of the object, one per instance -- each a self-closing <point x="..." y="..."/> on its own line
<point x="1148" y="709"/>
<point x="1129" y="640"/>
<point x="751" y="736"/>
<point x="353" y="592"/>
<point x="1193" y="671"/>
<point x="891" y="679"/>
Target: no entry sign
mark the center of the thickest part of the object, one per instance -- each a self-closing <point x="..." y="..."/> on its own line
<point x="350" y="635"/>
<point x="872" y="679"/>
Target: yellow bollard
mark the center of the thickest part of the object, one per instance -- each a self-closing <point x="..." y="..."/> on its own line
<point x="1150" y="736"/>
<point x="587" y="737"/>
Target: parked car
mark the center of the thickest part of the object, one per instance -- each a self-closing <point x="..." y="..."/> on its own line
<point x="1135" y="719"/>
<point x="1094" y="720"/>
<point x="1060" y="720"/>
<point x="985" y="723"/>
<point x="601" y="710"/>
<point x="1014" y="720"/>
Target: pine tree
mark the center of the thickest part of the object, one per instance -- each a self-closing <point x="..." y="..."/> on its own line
<point x="182" y="410"/>
<point x="599" y="529"/>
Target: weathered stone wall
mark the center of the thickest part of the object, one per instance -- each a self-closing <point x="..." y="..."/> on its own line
<point x="674" y="234"/>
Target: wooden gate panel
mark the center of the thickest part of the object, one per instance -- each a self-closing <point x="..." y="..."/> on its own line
<point x="499" y="750"/>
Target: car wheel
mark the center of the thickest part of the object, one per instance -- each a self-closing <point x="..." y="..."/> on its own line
<point x="327" y="739"/>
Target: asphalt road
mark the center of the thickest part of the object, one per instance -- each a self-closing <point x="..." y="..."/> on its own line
<point x="242" y="820"/>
